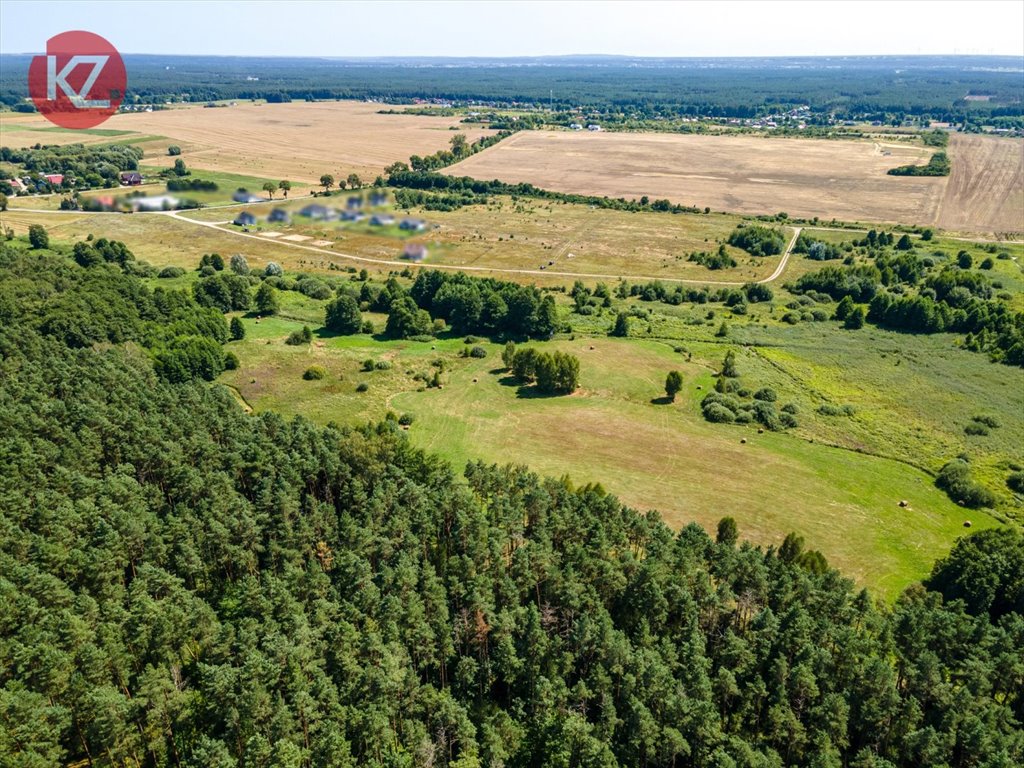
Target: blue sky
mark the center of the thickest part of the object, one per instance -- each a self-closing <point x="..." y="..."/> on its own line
<point x="524" y="27"/>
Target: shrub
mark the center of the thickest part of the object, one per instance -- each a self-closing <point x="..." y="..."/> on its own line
<point x="314" y="288"/>
<point x="314" y="372"/>
<point x="368" y="365"/>
<point x="382" y="365"/>
<point x="297" y="338"/>
<point x="362" y="386"/>
<point x="719" y="414"/>
<point x="1016" y="482"/>
<point x="174" y="150"/>
<point x="230" y="361"/>
<point x="988" y="421"/>
<point x="788" y="420"/>
<point x="171" y="272"/>
<point x="790" y="408"/>
<point x="955" y="479"/>
<point x="406" y="419"/>
<point x="792" y="318"/>
<point x="273" y="269"/>
<point x="974" y="428"/>
<point x="828" y="409"/>
<point x="767" y="394"/>
<point x="236" y="329"/>
<point x="478" y="352"/>
<point x="987" y="263"/>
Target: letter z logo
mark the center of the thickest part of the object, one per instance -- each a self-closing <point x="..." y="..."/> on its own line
<point x="80" y="82"/>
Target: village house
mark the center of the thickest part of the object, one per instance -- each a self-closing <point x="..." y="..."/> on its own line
<point x="244" y="219"/>
<point x="244" y="196"/>
<point x="155" y="203"/>
<point x="414" y="251"/>
<point x="413" y="225"/>
<point x="378" y="199"/>
<point x="381" y="220"/>
<point x="279" y="216"/>
<point x="131" y="178"/>
<point x="318" y="212"/>
<point x="354" y="203"/>
<point x="54" y="178"/>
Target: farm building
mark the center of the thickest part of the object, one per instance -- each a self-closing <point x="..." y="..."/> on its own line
<point x="279" y="216"/>
<point x="318" y="212"/>
<point x="244" y="196"/>
<point x="413" y="225"/>
<point x="155" y="203"/>
<point x="131" y="178"/>
<point x="381" y="220"/>
<point x="414" y="251"/>
<point x="244" y="219"/>
<point x="54" y="178"/>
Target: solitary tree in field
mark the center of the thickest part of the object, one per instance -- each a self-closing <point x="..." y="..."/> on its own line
<point x="284" y="186"/>
<point x="621" y="327"/>
<point x="354" y="181"/>
<point x="269" y="188"/>
<point x="237" y="329"/>
<point x="174" y="150"/>
<point x="179" y="168"/>
<point x="459" y="145"/>
<point x="673" y="383"/>
<point x="38" y="237"/>
<point x="855" y="320"/>
<point x="327" y="181"/>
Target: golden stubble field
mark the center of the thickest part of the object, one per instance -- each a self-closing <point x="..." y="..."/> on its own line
<point x="985" y="189"/>
<point x="844" y="179"/>
<point x="298" y="141"/>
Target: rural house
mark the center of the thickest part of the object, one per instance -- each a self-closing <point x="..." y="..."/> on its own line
<point x="352" y="216"/>
<point x="244" y="219"/>
<point x="354" y="203"/>
<point x="413" y="225"/>
<point x="244" y="196"/>
<point x="131" y="178"/>
<point x="279" y="216"/>
<point x="414" y="251"/>
<point x="378" y="199"/>
<point x="381" y="220"/>
<point x="318" y="212"/>
<point x="54" y="178"/>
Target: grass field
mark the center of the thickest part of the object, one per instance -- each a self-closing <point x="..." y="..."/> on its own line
<point x="615" y="431"/>
<point x="297" y="141"/>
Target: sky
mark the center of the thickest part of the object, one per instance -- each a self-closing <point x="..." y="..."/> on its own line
<point x="525" y="27"/>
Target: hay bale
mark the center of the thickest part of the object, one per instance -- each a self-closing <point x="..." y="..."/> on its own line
<point x="743" y="441"/>
<point x="967" y="523"/>
<point x="904" y="503"/>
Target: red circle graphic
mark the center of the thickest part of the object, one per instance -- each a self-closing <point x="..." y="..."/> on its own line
<point x="80" y="82"/>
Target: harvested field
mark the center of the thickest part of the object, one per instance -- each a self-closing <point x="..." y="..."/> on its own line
<point x="745" y="174"/>
<point x="985" y="190"/>
<point x="298" y="142"/>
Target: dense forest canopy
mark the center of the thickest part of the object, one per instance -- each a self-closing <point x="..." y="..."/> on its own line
<point x="735" y="87"/>
<point x="183" y="584"/>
